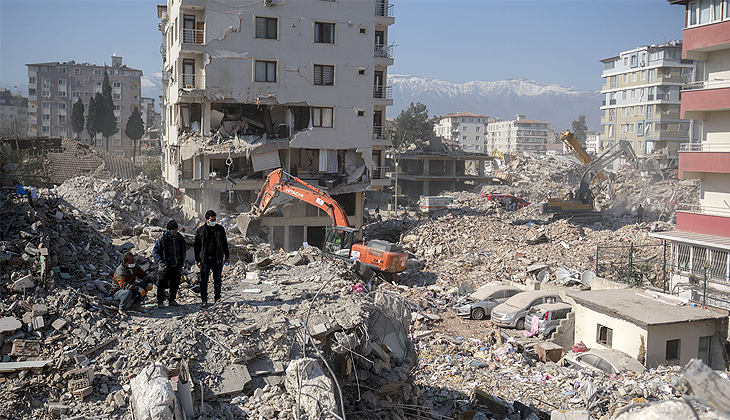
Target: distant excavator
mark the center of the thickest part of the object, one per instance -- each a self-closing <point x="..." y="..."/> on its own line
<point x="375" y="257"/>
<point x="581" y="200"/>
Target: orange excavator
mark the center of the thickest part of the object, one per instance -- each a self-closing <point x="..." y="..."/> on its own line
<point x="374" y="257"/>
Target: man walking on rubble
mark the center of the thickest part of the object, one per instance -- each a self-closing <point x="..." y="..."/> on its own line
<point x="128" y="291"/>
<point x="169" y="252"/>
<point x="211" y="249"/>
<point x="639" y="213"/>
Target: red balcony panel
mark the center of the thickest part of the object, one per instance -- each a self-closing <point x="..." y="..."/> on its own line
<point x="712" y="35"/>
<point x="705" y="100"/>
<point x="703" y="223"/>
<point x="714" y="162"/>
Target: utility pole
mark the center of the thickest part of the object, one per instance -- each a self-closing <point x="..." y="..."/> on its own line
<point x="396" y="188"/>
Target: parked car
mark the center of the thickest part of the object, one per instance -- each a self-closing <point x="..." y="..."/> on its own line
<point x="479" y="304"/>
<point x="513" y="311"/>
<point x="505" y="199"/>
<point x="607" y="361"/>
<point x="549" y="316"/>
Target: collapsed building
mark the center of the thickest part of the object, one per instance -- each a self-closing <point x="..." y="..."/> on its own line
<point x="253" y="87"/>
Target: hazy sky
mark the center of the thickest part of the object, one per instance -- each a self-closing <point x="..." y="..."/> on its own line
<point x="453" y="40"/>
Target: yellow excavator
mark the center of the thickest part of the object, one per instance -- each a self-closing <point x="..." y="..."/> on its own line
<point x="573" y="144"/>
<point x="581" y="200"/>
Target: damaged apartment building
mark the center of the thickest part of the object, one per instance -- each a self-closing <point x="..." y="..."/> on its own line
<point x="252" y="87"/>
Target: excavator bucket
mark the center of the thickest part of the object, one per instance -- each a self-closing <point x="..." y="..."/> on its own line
<point x="249" y="225"/>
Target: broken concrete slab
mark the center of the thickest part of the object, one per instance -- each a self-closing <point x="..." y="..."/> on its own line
<point x="317" y="396"/>
<point x="233" y="379"/>
<point x="22" y="284"/>
<point x="9" y="324"/>
<point x="17" y="366"/>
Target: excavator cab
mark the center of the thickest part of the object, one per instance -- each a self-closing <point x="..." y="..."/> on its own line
<point x="339" y="240"/>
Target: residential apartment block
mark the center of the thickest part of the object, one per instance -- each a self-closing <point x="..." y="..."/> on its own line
<point x="53" y="88"/>
<point x="13" y="114"/>
<point x="518" y="135"/>
<point x="641" y="105"/>
<point x="465" y="128"/>
<point x="593" y="141"/>
<point x="701" y="243"/>
<point x="251" y="87"/>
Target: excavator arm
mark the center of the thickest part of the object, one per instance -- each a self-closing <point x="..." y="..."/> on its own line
<point x="280" y="181"/>
<point x="624" y="149"/>
<point x="573" y="144"/>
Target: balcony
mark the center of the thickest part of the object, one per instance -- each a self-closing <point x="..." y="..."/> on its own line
<point x="698" y="158"/>
<point x="703" y="219"/>
<point x="698" y="41"/>
<point x="612" y="102"/>
<point x="192" y="40"/>
<point x="382" y="92"/>
<point x="381" y="137"/>
<point x="383" y="51"/>
<point x="379" y="176"/>
<point x="710" y="96"/>
<point x="384" y="10"/>
<point x="192" y="81"/>
<point x="681" y="135"/>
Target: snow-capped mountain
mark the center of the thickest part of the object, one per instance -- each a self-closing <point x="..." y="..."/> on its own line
<point x="152" y="87"/>
<point x="556" y="104"/>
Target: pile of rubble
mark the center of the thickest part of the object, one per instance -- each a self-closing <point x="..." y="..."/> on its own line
<point x="119" y="207"/>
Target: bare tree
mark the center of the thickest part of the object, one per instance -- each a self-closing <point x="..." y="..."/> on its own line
<point x="11" y="127"/>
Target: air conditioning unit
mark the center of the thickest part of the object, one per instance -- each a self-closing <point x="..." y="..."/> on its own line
<point x="642" y="64"/>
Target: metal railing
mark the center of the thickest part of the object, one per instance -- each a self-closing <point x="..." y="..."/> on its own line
<point x="382" y="92"/>
<point x="700" y="209"/>
<point x="662" y="96"/>
<point x="612" y="102"/>
<point x="192" y="36"/>
<point x="379" y="132"/>
<point x="192" y="81"/>
<point x="674" y="134"/>
<point x="708" y="84"/>
<point x="382" y="9"/>
<point x="379" y="172"/>
<point x="704" y="147"/>
<point x="383" y="51"/>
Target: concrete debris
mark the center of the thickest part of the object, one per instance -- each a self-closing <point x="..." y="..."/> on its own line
<point x="152" y="397"/>
<point x="313" y="391"/>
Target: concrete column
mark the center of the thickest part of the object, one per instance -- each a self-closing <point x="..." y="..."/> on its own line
<point x="425" y="168"/>
<point x="205" y="124"/>
<point x="452" y="172"/>
<point x="426" y="185"/>
<point x="480" y="165"/>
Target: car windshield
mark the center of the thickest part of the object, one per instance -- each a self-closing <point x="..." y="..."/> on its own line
<point x="482" y="294"/>
<point x="539" y="312"/>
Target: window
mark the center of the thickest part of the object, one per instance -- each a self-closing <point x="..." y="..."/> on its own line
<point x="75" y="94"/>
<point x="652" y="75"/>
<point x="626" y="78"/>
<point x="463" y="138"/>
<point x="46" y="82"/>
<point x="266" y="28"/>
<point x="32" y="92"/>
<point x="112" y="72"/>
<point x="62" y="129"/>
<point x="97" y="83"/>
<point x="62" y="119"/>
<point x="46" y="93"/>
<point x="703" y="349"/>
<point x="98" y="141"/>
<point x="705" y="11"/>
<point x="633" y="76"/>
<point x="643" y="75"/>
<point x="31" y="80"/>
<point x="62" y="70"/>
<point x="640" y="128"/>
<point x="626" y="61"/>
<point x="363" y="31"/>
<point x="324" y="75"/>
<point x="633" y="111"/>
<point x="648" y="130"/>
<point x="623" y="94"/>
<point x="62" y="93"/>
<point x="324" y="33"/>
<point x="117" y="96"/>
<point x="604" y="335"/>
<point x="266" y="71"/>
<point x="465" y="128"/>
<point x="322" y="117"/>
<point x="117" y="142"/>
<point x="61" y="106"/>
<point x="46" y="129"/>
<point x="623" y="111"/>
<point x="45" y="69"/>
<point x="117" y="107"/>
<point x="117" y="84"/>
<point x="33" y="68"/>
<point x="477" y="129"/>
<point x="649" y="111"/>
<point x="61" y="82"/>
<point x="672" y="354"/>
<point x="77" y="71"/>
<point x="97" y="72"/>
<point x="47" y="117"/>
<point x="477" y="138"/>
<point x="633" y="93"/>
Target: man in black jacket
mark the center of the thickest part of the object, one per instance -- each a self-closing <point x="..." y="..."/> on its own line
<point x="169" y="252"/>
<point x="211" y="249"/>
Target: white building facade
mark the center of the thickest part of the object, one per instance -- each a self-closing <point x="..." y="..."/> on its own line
<point x="298" y="85"/>
<point x="465" y="128"/>
<point x="519" y="135"/>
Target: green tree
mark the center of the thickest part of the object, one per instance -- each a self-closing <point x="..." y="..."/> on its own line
<point x="579" y="128"/>
<point x="134" y="130"/>
<point x="91" y="121"/>
<point x="412" y="126"/>
<point x="77" y="118"/>
<point x="152" y="167"/>
<point x="105" y="119"/>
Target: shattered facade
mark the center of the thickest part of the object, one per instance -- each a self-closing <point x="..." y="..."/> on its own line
<point x="53" y="89"/>
<point x="253" y="87"/>
<point x="641" y="104"/>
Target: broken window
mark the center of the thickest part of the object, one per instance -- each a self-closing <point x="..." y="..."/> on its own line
<point x="673" y="347"/>
<point x="322" y="117"/>
<point x="266" y="71"/>
<point x="604" y="335"/>
<point x="324" y="33"/>
<point x="324" y="75"/>
<point x="266" y="28"/>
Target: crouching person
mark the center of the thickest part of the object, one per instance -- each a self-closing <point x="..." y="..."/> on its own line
<point x="131" y="284"/>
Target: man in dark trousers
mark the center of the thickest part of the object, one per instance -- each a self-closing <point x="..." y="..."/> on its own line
<point x="639" y="213"/>
<point x="169" y="252"/>
<point x="211" y="249"/>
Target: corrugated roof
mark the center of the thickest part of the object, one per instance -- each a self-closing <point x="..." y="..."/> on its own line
<point x="644" y="308"/>
<point x="710" y="241"/>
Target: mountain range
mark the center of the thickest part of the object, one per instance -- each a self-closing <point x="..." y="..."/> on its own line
<point x="557" y="104"/>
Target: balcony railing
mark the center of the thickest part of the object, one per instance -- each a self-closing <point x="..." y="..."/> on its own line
<point x="709" y="84"/>
<point x="662" y="96"/>
<point x="192" y="81"/>
<point x="699" y="209"/>
<point x="379" y="132"/>
<point x="192" y="36"/>
<point x="612" y="102"/>
<point x="382" y="92"/>
<point x="379" y="172"/>
<point x="382" y="9"/>
<point x="649" y="97"/>
<point x="383" y="51"/>
<point x="704" y="147"/>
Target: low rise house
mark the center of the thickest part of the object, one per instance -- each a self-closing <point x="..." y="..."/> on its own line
<point x="655" y="328"/>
